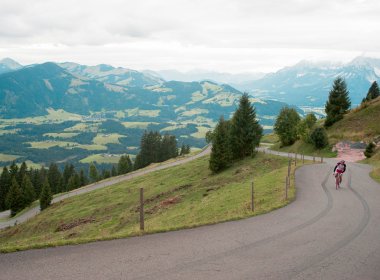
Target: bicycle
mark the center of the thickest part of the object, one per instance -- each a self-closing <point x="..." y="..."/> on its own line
<point x="338" y="180"/>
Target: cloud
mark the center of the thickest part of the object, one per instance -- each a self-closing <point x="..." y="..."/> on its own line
<point x="189" y="32"/>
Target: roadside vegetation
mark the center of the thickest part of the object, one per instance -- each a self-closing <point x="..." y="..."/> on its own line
<point x="175" y="198"/>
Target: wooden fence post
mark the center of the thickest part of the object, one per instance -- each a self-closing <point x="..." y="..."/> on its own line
<point x="289" y="167"/>
<point x="295" y="160"/>
<point x="252" y="198"/>
<point x="313" y="158"/>
<point x="321" y="159"/>
<point x="142" y="209"/>
<point x="286" y="187"/>
<point x="303" y="159"/>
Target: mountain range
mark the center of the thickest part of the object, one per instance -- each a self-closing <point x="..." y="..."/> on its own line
<point x="124" y="94"/>
<point x="308" y="84"/>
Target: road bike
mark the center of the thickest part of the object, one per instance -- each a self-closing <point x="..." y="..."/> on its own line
<point x="338" y="179"/>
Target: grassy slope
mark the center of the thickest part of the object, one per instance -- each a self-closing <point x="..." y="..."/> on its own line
<point x="176" y="198"/>
<point x="301" y="147"/>
<point x="375" y="162"/>
<point x="360" y="124"/>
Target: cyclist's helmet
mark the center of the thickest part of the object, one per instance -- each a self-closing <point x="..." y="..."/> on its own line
<point x="342" y="161"/>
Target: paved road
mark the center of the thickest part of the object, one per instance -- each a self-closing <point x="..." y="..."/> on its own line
<point x="324" y="234"/>
<point x="34" y="211"/>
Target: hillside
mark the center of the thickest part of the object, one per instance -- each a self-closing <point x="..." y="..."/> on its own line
<point x="175" y="198"/>
<point x="360" y="124"/>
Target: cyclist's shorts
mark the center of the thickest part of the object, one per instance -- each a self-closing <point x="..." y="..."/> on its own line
<point x="339" y="171"/>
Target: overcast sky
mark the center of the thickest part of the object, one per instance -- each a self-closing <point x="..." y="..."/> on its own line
<point x="224" y="35"/>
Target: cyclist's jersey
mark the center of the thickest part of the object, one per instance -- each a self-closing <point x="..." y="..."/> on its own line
<point x="340" y="168"/>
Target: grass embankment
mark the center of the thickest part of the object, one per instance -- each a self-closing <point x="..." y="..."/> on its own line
<point x="361" y="124"/>
<point x="179" y="197"/>
<point x="375" y="162"/>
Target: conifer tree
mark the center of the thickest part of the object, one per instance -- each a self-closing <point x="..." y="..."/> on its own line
<point x="55" y="178"/>
<point x="245" y="130"/>
<point x="21" y="173"/>
<point x="93" y="173"/>
<point x="74" y="182"/>
<point x="68" y="171"/>
<point x="373" y="92"/>
<point x="13" y="170"/>
<point x="125" y="165"/>
<point x="5" y="185"/>
<point x="46" y="195"/>
<point x="183" y="150"/>
<point x="370" y="150"/>
<point x="106" y="174"/>
<point x="14" y="198"/>
<point x="338" y="102"/>
<point x="28" y="192"/>
<point x="188" y="149"/>
<point x="287" y="126"/>
<point x="113" y="171"/>
<point x="220" y="156"/>
<point x="82" y="178"/>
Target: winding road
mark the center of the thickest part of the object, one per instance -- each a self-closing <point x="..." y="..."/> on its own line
<point x="324" y="234"/>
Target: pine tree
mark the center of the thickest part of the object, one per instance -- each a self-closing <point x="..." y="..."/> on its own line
<point x="93" y="173"/>
<point x="5" y="185"/>
<point x="28" y="192"/>
<point x="74" y="182"/>
<point x="46" y="195"/>
<point x="13" y="170"/>
<point x="68" y="171"/>
<point x="220" y="156"/>
<point x="338" y="102"/>
<point x="82" y="178"/>
<point x="14" y="198"/>
<point x="113" y="171"/>
<point x="373" y="92"/>
<point x="188" y="149"/>
<point x="55" y="178"/>
<point x="22" y="172"/>
<point x="245" y="130"/>
<point x="125" y="165"/>
<point x="106" y="174"/>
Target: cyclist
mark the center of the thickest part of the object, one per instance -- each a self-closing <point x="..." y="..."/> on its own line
<point x="339" y="169"/>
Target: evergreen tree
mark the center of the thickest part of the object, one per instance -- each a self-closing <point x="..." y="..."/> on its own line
<point x="286" y="126"/>
<point x="188" y="149"/>
<point x="13" y="170"/>
<point x="74" y="182"/>
<point x="55" y="178"/>
<point x="319" y="138"/>
<point x="125" y="165"/>
<point x="369" y="150"/>
<point x="14" y="198"/>
<point x="373" y="92"/>
<point x="93" y="173"/>
<point x="28" y="192"/>
<point x="46" y="195"/>
<point x="245" y="130"/>
<point x="82" y="178"/>
<point x="68" y="171"/>
<point x="106" y="174"/>
<point x="183" y="150"/>
<point x="5" y="185"/>
<point x="21" y="173"/>
<point x="220" y="156"/>
<point x="338" y="102"/>
<point x="113" y="171"/>
<point x="305" y="126"/>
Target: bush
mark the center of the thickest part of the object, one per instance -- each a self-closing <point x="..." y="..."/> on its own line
<point x="369" y="150"/>
<point x="319" y="138"/>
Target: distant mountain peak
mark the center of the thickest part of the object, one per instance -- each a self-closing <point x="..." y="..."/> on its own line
<point x="10" y="63"/>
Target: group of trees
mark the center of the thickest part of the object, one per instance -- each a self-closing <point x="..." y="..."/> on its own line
<point x="236" y="138"/>
<point x="290" y="127"/>
<point x="20" y="186"/>
<point x="155" y="148"/>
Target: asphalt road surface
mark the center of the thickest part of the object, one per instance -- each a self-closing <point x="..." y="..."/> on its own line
<point x="324" y="234"/>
